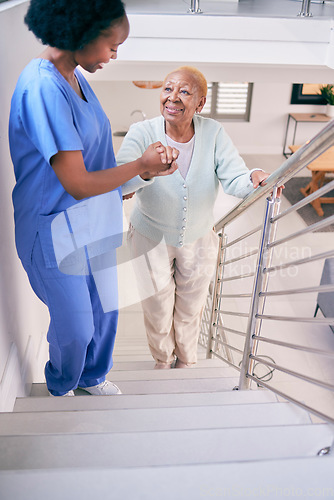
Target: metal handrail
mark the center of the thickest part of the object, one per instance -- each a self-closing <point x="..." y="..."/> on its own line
<point x="301" y="319"/>
<point x="310" y="289"/>
<point x="242" y="237"/>
<point x="235" y="295"/>
<point x="306" y="201"/>
<point x="314" y="227"/>
<point x="297" y="347"/>
<point x="220" y="335"/>
<point x="244" y="256"/>
<point x="294" y="164"/>
<point x="238" y="277"/>
<point x="228" y="345"/>
<point x="236" y="332"/>
<point x="299" y="262"/>
<point x="306" y="378"/>
<point x="308" y="408"/>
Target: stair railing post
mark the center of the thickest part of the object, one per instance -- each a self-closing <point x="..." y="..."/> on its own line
<point x="305" y="10"/>
<point x="260" y="285"/>
<point x="217" y="284"/>
<point x="194" y="7"/>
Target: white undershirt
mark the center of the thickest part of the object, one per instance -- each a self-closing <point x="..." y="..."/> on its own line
<point x="185" y="154"/>
<point x="186" y="151"/>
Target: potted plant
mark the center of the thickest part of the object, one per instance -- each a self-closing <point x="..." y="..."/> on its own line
<point x="327" y="92"/>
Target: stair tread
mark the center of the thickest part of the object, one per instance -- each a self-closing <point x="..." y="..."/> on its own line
<point x="162" y="386"/>
<point x="134" y="355"/>
<point x="131" y="354"/>
<point x="149" y="365"/>
<point x="179" y="374"/>
<point x="142" y="449"/>
<point x="143" y="401"/>
<point x="295" y="477"/>
<point x="152" y="419"/>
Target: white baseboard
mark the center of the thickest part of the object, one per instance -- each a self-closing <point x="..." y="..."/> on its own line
<point x="11" y="381"/>
<point x="26" y="368"/>
<point x="18" y="374"/>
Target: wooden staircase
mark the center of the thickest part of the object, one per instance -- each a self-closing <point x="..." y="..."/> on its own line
<point x="183" y="434"/>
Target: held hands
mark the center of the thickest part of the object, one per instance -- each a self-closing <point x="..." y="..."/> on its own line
<point x="159" y="160"/>
<point x="258" y="179"/>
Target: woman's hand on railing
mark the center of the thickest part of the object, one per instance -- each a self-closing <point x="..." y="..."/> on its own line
<point x="258" y="179"/>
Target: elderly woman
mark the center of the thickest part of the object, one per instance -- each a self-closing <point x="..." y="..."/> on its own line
<point x="62" y="152"/>
<point x="172" y="220"/>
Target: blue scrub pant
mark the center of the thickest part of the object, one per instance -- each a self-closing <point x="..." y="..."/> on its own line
<point x="81" y="336"/>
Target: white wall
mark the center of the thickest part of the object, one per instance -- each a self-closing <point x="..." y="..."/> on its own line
<point x="23" y="319"/>
<point x="263" y="134"/>
<point x="271" y="52"/>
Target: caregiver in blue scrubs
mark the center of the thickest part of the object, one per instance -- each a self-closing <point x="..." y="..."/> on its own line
<point x="66" y="182"/>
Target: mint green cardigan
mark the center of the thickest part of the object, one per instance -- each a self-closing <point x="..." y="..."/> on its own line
<point x="176" y="209"/>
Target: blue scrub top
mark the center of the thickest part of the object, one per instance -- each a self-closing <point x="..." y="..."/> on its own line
<point x="48" y="116"/>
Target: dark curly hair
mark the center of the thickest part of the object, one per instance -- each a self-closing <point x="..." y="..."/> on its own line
<point x="71" y="24"/>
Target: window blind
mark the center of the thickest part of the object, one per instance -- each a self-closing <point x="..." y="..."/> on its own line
<point x="228" y="100"/>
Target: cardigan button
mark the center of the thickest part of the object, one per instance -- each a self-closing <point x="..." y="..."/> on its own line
<point x="185" y="198"/>
<point x="185" y="209"/>
<point x="184" y="186"/>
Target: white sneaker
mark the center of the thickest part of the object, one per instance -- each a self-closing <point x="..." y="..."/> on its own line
<point x="105" y="388"/>
<point x="69" y="393"/>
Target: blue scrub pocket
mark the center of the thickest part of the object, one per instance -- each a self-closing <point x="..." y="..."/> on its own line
<point x="85" y="233"/>
<point x="70" y="233"/>
<point x="62" y="235"/>
<point x="45" y="237"/>
<point x="86" y="230"/>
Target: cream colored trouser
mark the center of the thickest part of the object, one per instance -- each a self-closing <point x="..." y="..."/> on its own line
<point x="173" y="286"/>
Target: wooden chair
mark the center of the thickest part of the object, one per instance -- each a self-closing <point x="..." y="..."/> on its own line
<point x="319" y="167"/>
